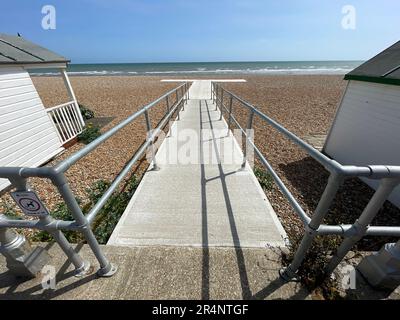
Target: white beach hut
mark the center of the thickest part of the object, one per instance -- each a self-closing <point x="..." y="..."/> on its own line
<point x="366" y="129"/>
<point x="30" y="134"/>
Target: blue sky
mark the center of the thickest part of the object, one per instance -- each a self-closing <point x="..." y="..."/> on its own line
<point x="211" y="30"/>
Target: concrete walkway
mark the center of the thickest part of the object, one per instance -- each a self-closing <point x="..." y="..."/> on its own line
<point x="161" y="273"/>
<point x="200" y="197"/>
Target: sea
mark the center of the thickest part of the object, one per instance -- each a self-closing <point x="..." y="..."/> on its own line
<point x="206" y="68"/>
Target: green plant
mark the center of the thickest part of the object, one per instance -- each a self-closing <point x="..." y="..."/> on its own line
<point x="107" y="218"/>
<point x="311" y="272"/>
<point x="113" y="210"/>
<point x="61" y="212"/>
<point x="86" y="112"/>
<point x="89" y="134"/>
<point x="264" y="178"/>
<point x="96" y="191"/>
<point x="8" y="210"/>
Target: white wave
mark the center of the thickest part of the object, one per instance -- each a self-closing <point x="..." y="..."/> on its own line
<point x="270" y="70"/>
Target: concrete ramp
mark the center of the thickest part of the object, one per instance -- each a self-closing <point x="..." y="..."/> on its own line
<point x="200" y="197"/>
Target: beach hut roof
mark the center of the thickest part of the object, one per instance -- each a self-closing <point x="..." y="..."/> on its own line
<point x="383" y="68"/>
<point x="16" y="50"/>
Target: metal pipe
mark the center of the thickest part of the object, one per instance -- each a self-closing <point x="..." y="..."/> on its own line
<point x="330" y="165"/>
<point x="344" y="230"/>
<point x="149" y="135"/>
<point x="293" y="202"/>
<point x="18" y="176"/>
<point x="230" y="113"/>
<point x="67" y="163"/>
<point x="249" y="127"/>
<point x="221" y="102"/>
<point x="80" y="265"/>
<point x="97" y="207"/>
<point x="359" y="228"/>
<point x="106" y="268"/>
<point x="167" y="103"/>
<point x="334" y="182"/>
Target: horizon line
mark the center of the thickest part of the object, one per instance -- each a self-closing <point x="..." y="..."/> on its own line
<point x="232" y="61"/>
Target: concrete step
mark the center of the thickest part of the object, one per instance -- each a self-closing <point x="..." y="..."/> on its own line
<point x="162" y="273"/>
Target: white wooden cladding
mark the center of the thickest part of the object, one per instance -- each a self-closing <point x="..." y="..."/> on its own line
<point x="28" y="137"/>
<point x="366" y="130"/>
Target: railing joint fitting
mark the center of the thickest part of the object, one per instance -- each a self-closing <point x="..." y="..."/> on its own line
<point x="310" y="230"/>
<point x="356" y="230"/>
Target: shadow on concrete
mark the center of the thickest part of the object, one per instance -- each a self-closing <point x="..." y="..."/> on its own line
<point x="36" y="291"/>
<point x="246" y="293"/>
<point x="205" y="282"/>
<point x="275" y="285"/>
<point x="244" y="281"/>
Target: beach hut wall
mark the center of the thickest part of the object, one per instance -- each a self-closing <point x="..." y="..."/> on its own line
<point x="366" y="128"/>
<point x="30" y="134"/>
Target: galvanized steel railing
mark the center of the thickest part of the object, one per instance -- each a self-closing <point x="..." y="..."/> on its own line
<point x="389" y="177"/>
<point x="174" y="100"/>
<point x="67" y="120"/>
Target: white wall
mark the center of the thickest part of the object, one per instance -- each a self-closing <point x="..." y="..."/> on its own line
<point x="366" y="130"/>
<point x="27" y="135"/>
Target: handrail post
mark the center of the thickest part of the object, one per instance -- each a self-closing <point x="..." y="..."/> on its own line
<point x="186" y="92"/>
<point x="167" y="98"/>
<point x="230" y="114"/>
<point x="221" y="109"/>
<point x="221" y="100"/>
<point x="183" y="98"/>
<point x="249" y="127"/>
<point x="216" y="92"/>
<point x="153" y="153"/>
<point x="360" y="227"/>
<point x="81" y="267"/>
<point x="107" y="269"/>
<point x="334" y="183"/>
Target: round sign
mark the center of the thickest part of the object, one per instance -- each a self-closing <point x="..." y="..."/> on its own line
<point x="29" y="204"/>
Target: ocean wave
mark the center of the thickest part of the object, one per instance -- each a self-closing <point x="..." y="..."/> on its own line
<point x="270" y="70"/>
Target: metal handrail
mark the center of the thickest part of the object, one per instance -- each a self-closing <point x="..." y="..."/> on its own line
<point x="18" y="176"/>
<point x="389" y="176"/>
